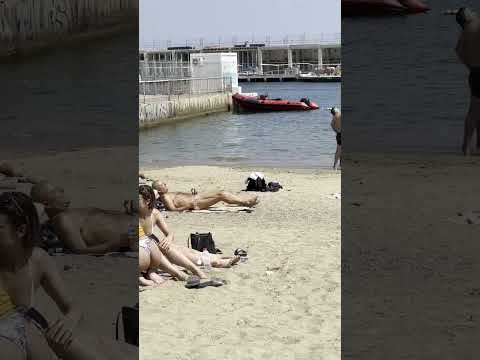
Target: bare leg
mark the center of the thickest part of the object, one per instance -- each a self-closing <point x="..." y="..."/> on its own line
<point x="207" y="200"/>
<point x="469" y="130"/>
<point x="157" y="279"/>
<point x="178" y="258"/>
<point x="217" y="260"/>
<point x="143" y="259"/>
<point x="159" y="260"/>
<point x="337" y="157"/>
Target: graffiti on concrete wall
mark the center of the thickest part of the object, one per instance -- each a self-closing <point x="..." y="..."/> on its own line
<point x="24" y="20"/>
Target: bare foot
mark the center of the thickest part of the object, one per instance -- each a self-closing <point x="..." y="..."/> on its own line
<point x="253" y="201"/>
<point x="145" y="282"/>
<point x="157" y="279"/>
<point x="202" y="275"/>
<point x="226" y="263"/>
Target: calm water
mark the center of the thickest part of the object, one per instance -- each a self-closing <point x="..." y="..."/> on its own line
<point x="423" y="104"/>
<point x="71" y="98"/>
<point x="289" y="139"/>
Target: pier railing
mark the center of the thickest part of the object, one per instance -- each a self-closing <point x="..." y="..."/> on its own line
<point x="164" y="70"/>
<point x="267" y="40"/>
<point x="294" y="69"/>
<point x="186" y="86"/>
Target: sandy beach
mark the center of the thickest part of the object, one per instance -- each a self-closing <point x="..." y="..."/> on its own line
<point x="410" y="256"/>
<point x="283" y="303"/>
<point x="100" y="285"/>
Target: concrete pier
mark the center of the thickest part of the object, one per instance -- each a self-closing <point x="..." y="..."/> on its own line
<point x="27" y="26"/>
<point x="159" y="110"/>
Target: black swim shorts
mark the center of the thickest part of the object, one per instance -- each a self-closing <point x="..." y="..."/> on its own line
<point x="339" y="139"/>
<point x="474" y="81"/>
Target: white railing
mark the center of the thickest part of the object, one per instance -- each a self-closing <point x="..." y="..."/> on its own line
<point x="200" y="43"/>
<point x="185" y="86"/>
<point x="295" y="69"/>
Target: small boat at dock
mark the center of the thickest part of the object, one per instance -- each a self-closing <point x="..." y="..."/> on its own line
<point x="263" y="103"/>
<point x="382" y="7"/>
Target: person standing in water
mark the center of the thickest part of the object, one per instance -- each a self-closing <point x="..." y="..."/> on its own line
<point x="468" y="51"/>
<point x="336" y="125"/>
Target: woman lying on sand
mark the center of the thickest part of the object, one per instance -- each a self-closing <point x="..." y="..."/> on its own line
<point x="162" y="254"/>
<point x="23" y="269"/>
<point x="179" y="201"/>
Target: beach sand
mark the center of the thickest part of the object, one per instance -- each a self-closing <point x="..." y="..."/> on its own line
<point x="99" y="285"/>
<point x="409" y="256"/>
<point x="283" y="303"/>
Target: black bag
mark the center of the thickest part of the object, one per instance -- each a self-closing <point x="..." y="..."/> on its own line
<point x="203" y="241"/>
<point x="257" y="184"/>
<point x="274" y="186"/>
<point x="130" y="324"/>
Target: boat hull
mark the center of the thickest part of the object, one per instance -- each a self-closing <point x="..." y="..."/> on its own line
<point x="254" y="104"/>
<point x="382" y="7"/>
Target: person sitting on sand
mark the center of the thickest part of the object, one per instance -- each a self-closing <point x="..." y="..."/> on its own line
<point x="24" y="268"/>
<point x="164" y="254"/>
<point x="468" y="51"/>
<point x="179" y="201"/>
<point x="85" y="230"/>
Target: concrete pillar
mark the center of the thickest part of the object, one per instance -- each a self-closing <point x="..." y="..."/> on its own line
<point x="320" y="57"/>
<point x="259" y="61"/>
<point x="290" y="58"/>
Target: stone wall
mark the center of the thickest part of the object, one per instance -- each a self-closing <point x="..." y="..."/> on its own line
<point x="154" y="113"/>
<point x="29" y="24"/>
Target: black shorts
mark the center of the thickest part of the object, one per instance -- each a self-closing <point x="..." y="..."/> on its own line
<point x="339" y="139"/>
<point x="474" y="81"/>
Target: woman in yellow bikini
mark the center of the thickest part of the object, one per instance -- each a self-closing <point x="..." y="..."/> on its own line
<point x="25" y="268"/>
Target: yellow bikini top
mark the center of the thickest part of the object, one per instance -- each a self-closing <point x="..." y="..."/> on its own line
<point x="141" y="233"/>
<point x="6" y="304"/>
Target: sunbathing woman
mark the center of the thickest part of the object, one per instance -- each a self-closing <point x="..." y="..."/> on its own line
<point x="162" y="254"/>
<point x="178" y="201"/>
<point x="23" y="269"/>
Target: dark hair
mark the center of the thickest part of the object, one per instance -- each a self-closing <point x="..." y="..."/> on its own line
<point x="20" y="210"/>
<point x="460" y="17"/>
<point x="148" y="195"/>
<point x="333" y="111"/>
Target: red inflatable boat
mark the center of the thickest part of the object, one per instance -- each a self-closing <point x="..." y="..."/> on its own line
<point x="263" y="103"/>
<point x="382" y="7"/>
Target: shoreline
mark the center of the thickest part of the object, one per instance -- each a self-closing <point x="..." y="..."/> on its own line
<point x="243" y="167"/>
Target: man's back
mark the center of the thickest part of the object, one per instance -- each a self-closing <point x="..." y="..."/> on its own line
<point x="336" y="123"/>
<point x="92" y="226"/>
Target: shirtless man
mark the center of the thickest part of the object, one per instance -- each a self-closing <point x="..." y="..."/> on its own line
<point x="468" y="51"/>
<point x="87" y="230"/>
<point x="178" y="201"/>
<point x="336" y="125"/>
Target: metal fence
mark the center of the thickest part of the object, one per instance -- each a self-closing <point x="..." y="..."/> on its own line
<point x="186" y="86"/>
<point x="164" y="70"/>
<point x="202" y="43"/>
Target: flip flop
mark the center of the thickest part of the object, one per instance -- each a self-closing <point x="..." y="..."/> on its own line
<point x="194" y="283"/>
<point x="240" y="252"/>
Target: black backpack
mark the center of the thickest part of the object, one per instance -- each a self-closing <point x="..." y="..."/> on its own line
<point x="130" y="324"/>
<point x="274" y="186"/>
<point x="256" y="185"/>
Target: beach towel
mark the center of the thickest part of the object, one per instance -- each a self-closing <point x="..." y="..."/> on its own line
<point x="224" y="209"/>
